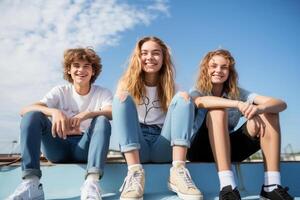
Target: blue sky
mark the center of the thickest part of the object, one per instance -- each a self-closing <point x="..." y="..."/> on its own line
<point x="263" y="36"/>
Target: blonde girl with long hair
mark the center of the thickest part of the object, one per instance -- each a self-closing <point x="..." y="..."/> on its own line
<point x="220" y="105"/>
<point x="151" y="121"/>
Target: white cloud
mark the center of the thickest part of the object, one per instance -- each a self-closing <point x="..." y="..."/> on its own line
<point x="34" y="35"/>
<point x="160" y="5"/>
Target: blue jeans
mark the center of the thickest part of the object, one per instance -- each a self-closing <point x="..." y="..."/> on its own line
<point x="154" y="143"/>
<point x="91" y="147"/>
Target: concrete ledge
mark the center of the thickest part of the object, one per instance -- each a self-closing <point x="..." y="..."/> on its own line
<point x="63" y="181"/>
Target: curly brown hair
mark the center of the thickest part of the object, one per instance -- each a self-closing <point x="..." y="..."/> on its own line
<point x="87" y="54"/>
<point x="203" y="82"/>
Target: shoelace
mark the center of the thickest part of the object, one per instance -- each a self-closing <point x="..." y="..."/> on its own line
<point x="132" y="181"/>
<point x="284" y="192"/>
<point x="185" y="175"/>
<point x="92" y="190"/>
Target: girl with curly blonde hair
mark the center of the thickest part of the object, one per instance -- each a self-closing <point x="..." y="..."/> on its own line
<point x="220" y="105"/>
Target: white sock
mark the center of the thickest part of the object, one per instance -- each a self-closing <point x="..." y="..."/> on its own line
<point x="32" y="178"/>
<point x="139" y="166"/>
<point x="177" y="163"/>
<point x="271" y="178"/>
<point x="93" y="177"/>
<point x="226" y="178"/>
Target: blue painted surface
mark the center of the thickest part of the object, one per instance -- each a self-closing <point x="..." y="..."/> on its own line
<point x="63" y="181"/>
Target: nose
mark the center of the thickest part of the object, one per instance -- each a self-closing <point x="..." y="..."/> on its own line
<point x="80" y="68"/>
<point x="149" y="56"/>
<point x="218" y="68"/>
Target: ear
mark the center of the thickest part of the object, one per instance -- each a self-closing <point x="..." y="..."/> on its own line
<point x="69" y="72"/>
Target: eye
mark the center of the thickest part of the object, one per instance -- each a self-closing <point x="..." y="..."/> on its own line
<point x="75" y="65"/>
<point x="224" y="67"/>
<point x="213" y="66"/>
<point x="156" y="53"/>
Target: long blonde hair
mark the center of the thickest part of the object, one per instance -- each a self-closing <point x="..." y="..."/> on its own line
<point x="133" y="81"/>
<point x="204" y="83"/>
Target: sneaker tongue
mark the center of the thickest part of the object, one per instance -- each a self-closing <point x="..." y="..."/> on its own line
<point x="135" y="168"/>
<point x="31" y="181"/>
<point x="179" y="165"/>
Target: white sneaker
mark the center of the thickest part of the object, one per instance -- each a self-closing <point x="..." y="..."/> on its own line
<point x="90" y="190"/>
<point x="28" y="190"/>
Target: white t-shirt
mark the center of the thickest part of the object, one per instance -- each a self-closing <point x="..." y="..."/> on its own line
<point x="150" y="111"/>
<point x="66" y="99"/>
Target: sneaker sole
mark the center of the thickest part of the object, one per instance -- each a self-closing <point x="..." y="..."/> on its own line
<point x="122" y="198"/>
<point x="263" y="198"/>
<point x="173" y="188"/>
<point x="39" y="198"/>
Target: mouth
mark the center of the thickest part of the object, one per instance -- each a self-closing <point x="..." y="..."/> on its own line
<point x="80" y="75"/>
<point x="150" y="64"/>
<point x="217" y="76"/>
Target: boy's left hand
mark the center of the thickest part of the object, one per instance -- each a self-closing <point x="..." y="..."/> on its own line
<point x="75" y="123"/>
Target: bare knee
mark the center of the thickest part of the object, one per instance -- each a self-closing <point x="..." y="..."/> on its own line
<point x="217" y="113"/>
<point x="264" y="125"/>
<point x="216" y="116"/>
<point x="272" y="124"/>
<point x="122" y="96"/>
<point x="253" y="127"/>
<point x="272" y="118"/>
<point x="184" y="95"/>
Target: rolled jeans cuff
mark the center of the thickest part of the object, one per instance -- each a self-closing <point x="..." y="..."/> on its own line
<point x="181" y="142"/>
<point x="94" y="170"/>
<point x="31" y="172"/>
<point x="130" y="147"/>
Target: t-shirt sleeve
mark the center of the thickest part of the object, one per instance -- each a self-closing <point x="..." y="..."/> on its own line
<point x="193" y="92"/>
<point x="107" y="98"/>
<point x="247" y="96"/>
<point x="51" y="99"/>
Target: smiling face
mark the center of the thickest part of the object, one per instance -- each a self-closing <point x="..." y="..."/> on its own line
<point x="218" y="70"/>
<point x="151" y="57"/>
<point x="81" y="72"/>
